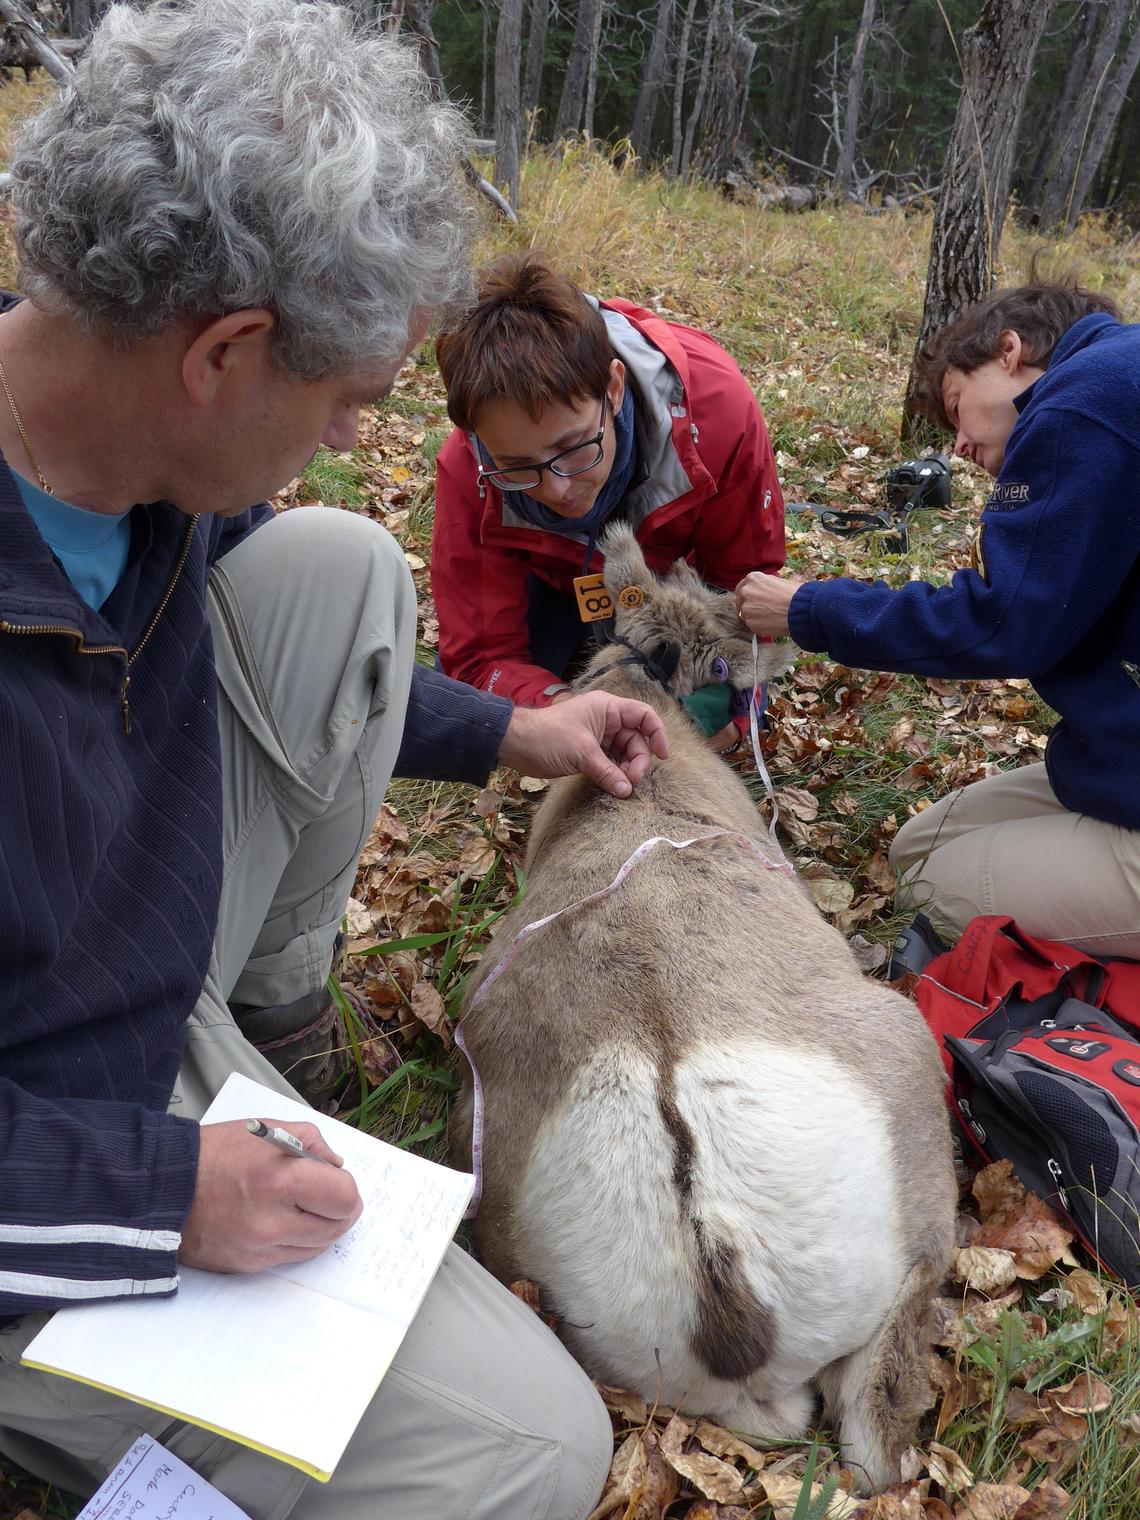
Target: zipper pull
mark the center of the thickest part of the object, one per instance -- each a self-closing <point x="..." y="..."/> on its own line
<point x="1054" y="1168"/>
<point x="123" y="703"/>
<point x="967" y="1114"/>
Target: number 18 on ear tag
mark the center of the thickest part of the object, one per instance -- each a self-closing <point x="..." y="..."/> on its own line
<point x="594" y="601"/>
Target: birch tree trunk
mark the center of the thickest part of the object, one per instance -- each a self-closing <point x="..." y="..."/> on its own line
<point x="1072" y="126"/>
<point x="679" y="89"/>
<point x="535" y="48"/>
<point x="649" y="91"/>
<point x="997" y="58"/>
<point x="1112" y="99"/>
<point x="508" y="65"/>
<point x="845" y="170"/>
<point x="573" y="101"/>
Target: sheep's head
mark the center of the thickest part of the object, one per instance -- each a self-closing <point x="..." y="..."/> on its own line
<point x="690" y="631"/>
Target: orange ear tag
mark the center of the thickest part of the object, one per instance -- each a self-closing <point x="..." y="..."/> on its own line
<point x="631" y="596"/>
<point x="594" y="602"/>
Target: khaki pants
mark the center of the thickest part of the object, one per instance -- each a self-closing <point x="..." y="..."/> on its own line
<point x="483" y="1414"/>
<point x="1006" y="845"/>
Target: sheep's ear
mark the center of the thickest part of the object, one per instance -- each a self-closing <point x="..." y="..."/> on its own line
<point x="625" y="563"/>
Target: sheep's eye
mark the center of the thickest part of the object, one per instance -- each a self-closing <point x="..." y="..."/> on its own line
<point x="720" y="669"/>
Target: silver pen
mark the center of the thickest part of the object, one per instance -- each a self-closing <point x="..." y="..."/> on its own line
<point x="283" y="1140"/>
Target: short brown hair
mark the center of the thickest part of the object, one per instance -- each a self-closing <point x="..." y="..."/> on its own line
<point x="1039" y="314"/>
<point x="531" y="337"/>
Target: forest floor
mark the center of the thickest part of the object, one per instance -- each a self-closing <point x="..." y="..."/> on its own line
<point x="1037" y="1375"/>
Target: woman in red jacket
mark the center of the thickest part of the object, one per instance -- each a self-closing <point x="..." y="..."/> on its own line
<point x="570" y="414"/>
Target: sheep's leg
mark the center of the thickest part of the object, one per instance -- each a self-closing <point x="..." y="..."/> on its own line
<point x="875" y="1396"/>
<point x="783" y="1418"/>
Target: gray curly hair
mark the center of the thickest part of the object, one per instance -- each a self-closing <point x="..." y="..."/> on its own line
<point x="213" y="155"/>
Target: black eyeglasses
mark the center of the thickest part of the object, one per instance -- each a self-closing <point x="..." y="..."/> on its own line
<point x="575" y="461"/>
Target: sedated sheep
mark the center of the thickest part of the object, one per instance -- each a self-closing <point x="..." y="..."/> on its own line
<point x="721" y="1151"/>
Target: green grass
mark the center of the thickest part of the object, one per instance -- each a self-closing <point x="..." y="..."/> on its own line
<point x="338" y="480"/>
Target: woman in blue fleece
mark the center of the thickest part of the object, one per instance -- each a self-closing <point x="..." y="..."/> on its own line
<point x="1042" y="386"/>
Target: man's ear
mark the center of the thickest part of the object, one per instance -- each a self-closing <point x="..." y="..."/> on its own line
<point x="217" y="351"/>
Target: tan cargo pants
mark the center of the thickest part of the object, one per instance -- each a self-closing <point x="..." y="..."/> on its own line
<point x="1006" y="845"/>
<point x="483" y="1414"/>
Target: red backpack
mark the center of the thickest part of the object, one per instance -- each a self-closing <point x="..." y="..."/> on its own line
<point x="1041" y="1043"/>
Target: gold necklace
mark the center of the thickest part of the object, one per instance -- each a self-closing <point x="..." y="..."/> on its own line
<point x="23" y="435"/>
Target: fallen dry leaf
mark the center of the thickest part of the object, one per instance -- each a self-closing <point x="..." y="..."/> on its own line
<point x="722" y="1443"/>
<point x="902" y="1501"/>
<point x="1086" y="1394"/>
<point x="830" y="894"/>
<point x="991" y="1501"/>
<point x="533" y="784"/>
<point x="487" y="803"/>
<point x="528" y="1290"/>
<point x="657" y="1490"/>
<point x="997" y="1191"/>
<point x="707" y="1474"/>
<point x="1089" y="1294"/>
<point x="427" y="1005"/>
<point x="987" y="1269"/>
<point x="799" y="802"/>
<point x="631" y="1406"/>
<point x="1048" y="1501"/>
<point x="947" y="1469"/>
<point x="1018" y="1222"/>
<point x="783" y="1491"/>
<point x="477" y="855"/>
<point x="704" y="1509"/>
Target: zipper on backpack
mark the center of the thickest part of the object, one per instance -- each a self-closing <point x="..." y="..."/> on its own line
<point x="967" y="1113"/>
<point x="1054" y="1169"/>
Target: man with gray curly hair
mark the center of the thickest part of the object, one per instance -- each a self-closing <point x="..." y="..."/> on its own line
<point x="233" y="225"/>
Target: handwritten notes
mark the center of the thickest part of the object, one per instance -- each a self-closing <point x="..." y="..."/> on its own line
<point x="151" y="1483"/>
<point x="245" y="1355"/>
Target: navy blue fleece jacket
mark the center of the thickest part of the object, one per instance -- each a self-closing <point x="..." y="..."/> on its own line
<point x="1056" y="597"/>
<point x="110" y="875"/>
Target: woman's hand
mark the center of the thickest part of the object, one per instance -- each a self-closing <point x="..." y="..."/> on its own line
<point x="762" y="603"/>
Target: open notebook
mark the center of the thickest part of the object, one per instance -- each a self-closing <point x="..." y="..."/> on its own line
<point x="285" y="1361"/>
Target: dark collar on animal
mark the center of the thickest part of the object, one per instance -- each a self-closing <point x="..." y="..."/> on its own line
<point x="661" y="664"/>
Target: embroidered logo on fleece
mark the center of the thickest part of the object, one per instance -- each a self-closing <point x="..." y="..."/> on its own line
<point x="1007" y="496"/>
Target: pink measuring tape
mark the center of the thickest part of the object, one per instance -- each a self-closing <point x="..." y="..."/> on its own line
<point x="540" y="923"/>
<point x="477" y="1107"/>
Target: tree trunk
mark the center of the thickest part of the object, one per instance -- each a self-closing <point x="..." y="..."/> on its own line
<point x="573" y="100"/>
<point x="592" y="77"/>
<point x="485" y="71"/>
<point x="1052" y="112"/>
<point x="679" y="89"/>
<point x="535" y="48"/>
<point x="31" y="36"/>
<point x="649" y="92"/>
<point x="845" y="170"/>
<point x="80" y="17"/>
<point x="1072" y="127"/>
<point x="698" y="108"/>
<point x="733" y="57"/>
<point x="1112" y="100"/>
<point x="417" y="16"/>
<point x="508" y="63"/>
<point x="997" y="59"/>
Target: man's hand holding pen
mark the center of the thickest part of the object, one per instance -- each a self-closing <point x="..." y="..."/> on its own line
<point x="254" y="1208"/>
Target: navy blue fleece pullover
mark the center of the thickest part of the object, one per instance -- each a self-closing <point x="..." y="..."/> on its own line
<point x="110" y="875"/>
<point x="1056" y="597"/>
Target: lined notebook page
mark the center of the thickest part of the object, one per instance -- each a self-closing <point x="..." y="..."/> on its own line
<point x="287" y="1360"/>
